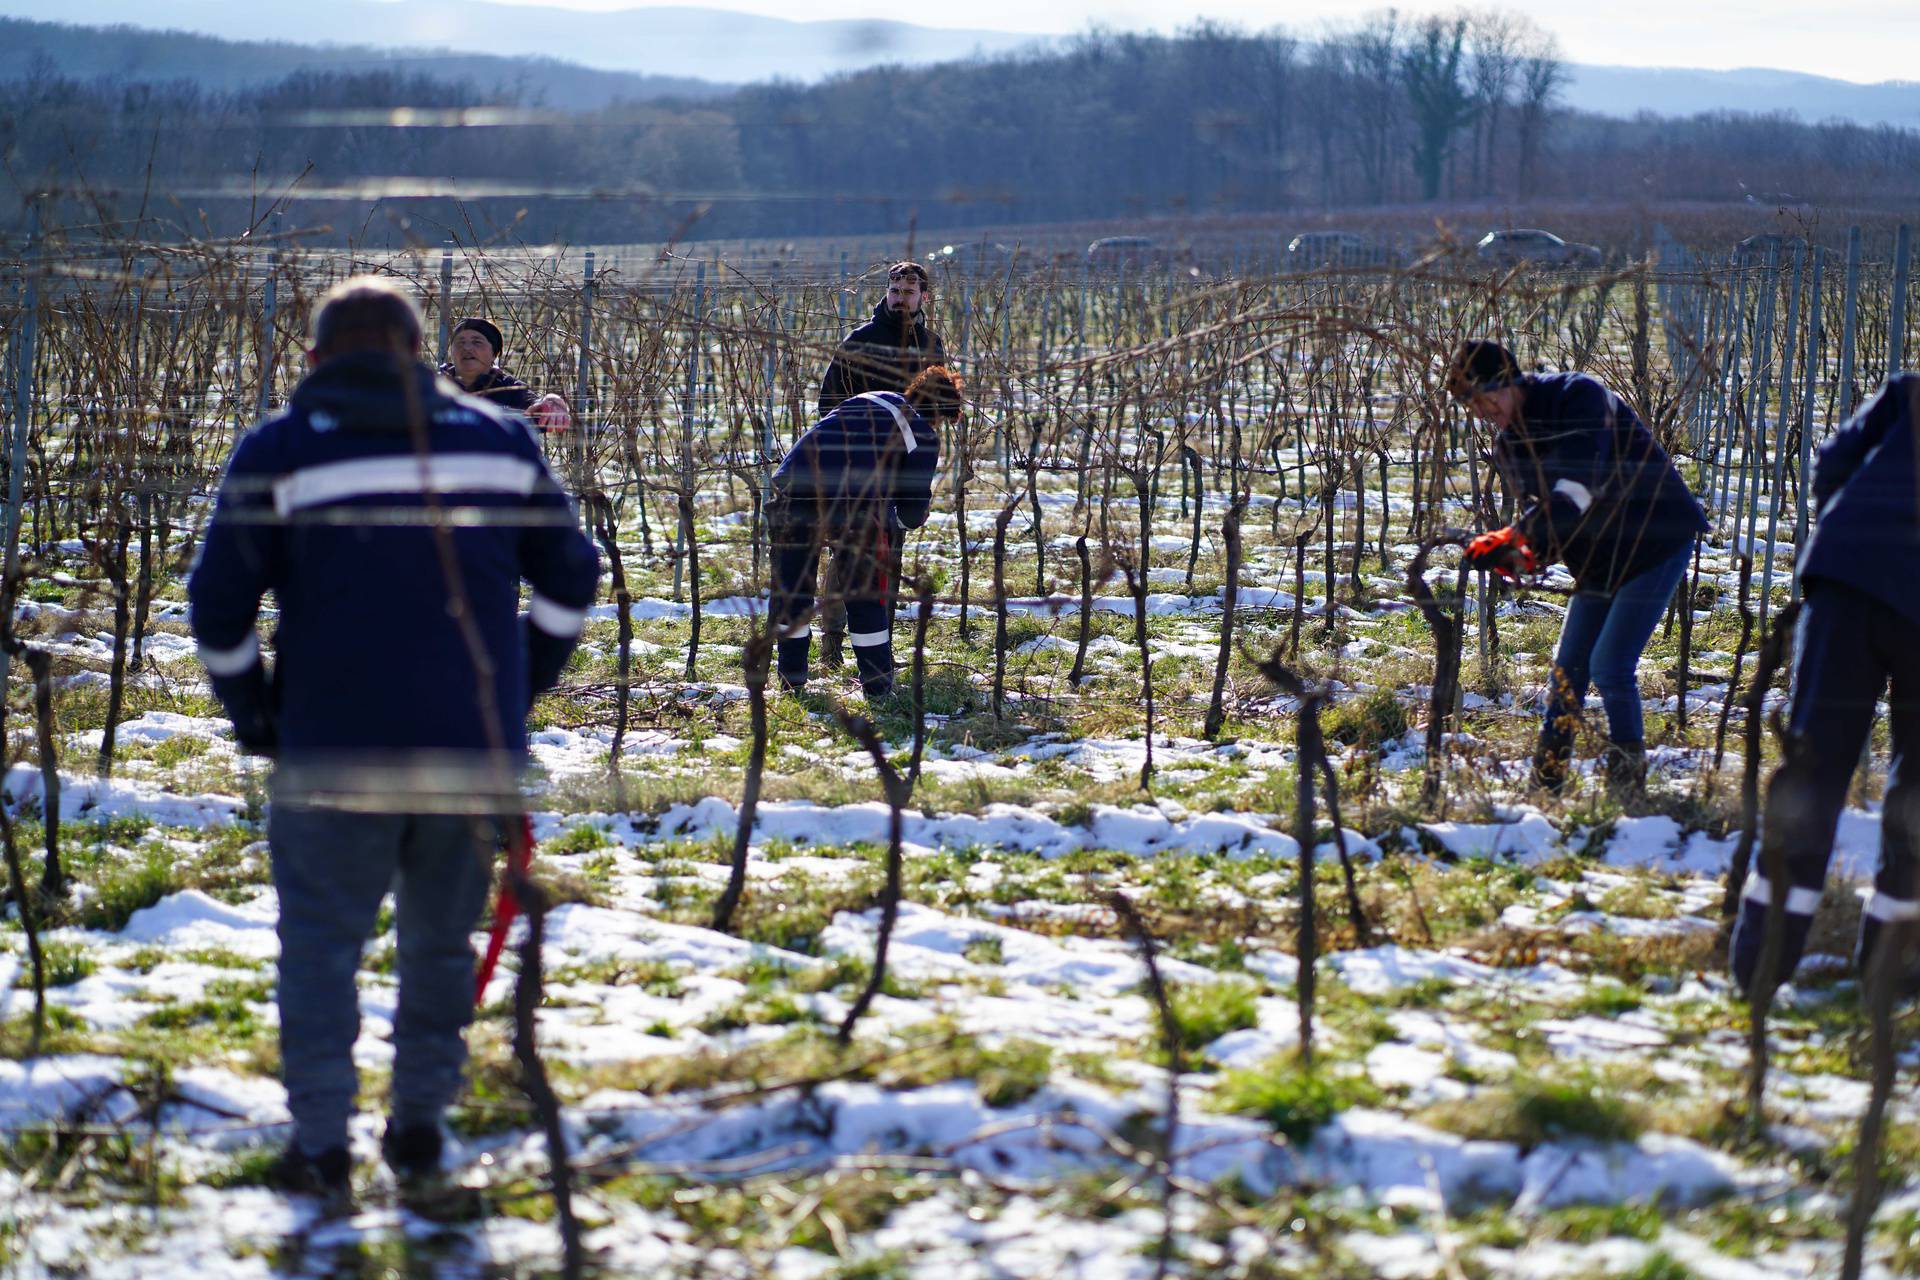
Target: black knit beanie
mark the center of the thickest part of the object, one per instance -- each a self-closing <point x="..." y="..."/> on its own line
<point x="486" y="329"/>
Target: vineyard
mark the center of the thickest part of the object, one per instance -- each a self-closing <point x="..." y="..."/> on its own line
<point x="1187" y="911"/>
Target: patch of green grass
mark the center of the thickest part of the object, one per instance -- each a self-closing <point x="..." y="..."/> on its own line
<point x="229" y="1015"/>
<point x="1900" y="1235"/>
<point x="1427" y="993"/>
<point x="581" y="837"/>
<point x="1204" y="1012"/>
<point x="987" y="949"/>
<point x="177" y="750"/>
<point x="1531" y="1110"/>
<point x="1295" y="1100"/>
<point x="1606" y="1000"/>
<point x="1367" y="722"/>
<point x="65" y="964"/>
<point x="246" y="1169"/>
<point x="124" y="888"/>
<point x="1584" y="1224"/>
<point x="1010" y="1073"/>
<point x="66" y="1032"/>
<point x="655" y="977"/>
<point x="1639" y="899"/>
<point x="1740" y="1228"/>
<point x="1660" y="1265"/>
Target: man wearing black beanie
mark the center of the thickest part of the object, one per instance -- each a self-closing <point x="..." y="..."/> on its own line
<point x="474" y="363"/>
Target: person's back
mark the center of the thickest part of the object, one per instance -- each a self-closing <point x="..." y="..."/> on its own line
<point x="372" y="664"/>
<point x="1864" y="488"/>
<point x="1576" y="437"/>
<point x="393" y="519"/>
<point x="870" y="454"/>
<point x="850" y="482"/>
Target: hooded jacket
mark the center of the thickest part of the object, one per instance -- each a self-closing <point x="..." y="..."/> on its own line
<point x="1597" y="492"/>
<point x="1868" y="532"/>
<point x="327" y="505"/>
<point x="884" y="354"/>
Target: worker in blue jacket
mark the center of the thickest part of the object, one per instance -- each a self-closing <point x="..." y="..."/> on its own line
<point x="861" y="472"/>
<point x="393" y="519"/>
<point x="1859" y="630"/>
<point x="1598" y="494"/>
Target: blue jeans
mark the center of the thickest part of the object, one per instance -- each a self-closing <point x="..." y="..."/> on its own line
<point x="1600" y="644"/>
<point x="332" y="869"/>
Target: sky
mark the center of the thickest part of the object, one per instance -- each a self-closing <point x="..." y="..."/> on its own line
<point x="1860" y="40"/>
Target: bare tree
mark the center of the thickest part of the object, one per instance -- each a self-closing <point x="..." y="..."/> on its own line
<point x="1431" y="66"/>
<point x="1373" y="61"/>
<point x="1542" y="76"/>
<point x="1493" y="63"/>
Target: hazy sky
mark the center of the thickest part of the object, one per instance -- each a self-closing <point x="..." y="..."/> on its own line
<point x="1864" y="40"/>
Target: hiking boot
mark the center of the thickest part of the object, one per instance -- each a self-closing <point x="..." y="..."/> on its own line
<point x="1625" y="764"/>
<point x="1750" y="933"/>
<point x="1876" y="929"/>
<point x="413" y="1151"/>
<point x="1549" y="772"/>
<point x="328" y="1175"/>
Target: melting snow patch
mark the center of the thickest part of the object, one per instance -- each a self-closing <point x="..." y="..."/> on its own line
<point x="91" y="797"/>
<point x="1375" y="971"/>
<point x="191" y="919"/>
<point x="1402" y="1162"/>
<point x="1659" y="1169"/>
<point x="1528" y="839"/>
<point x="75" y="1087"/>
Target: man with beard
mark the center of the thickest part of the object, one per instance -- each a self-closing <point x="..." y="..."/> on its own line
<point x="890" y="350"/>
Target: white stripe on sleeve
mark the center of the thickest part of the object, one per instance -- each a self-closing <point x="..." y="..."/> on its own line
<point x="1576" y="493"/>
<point x="555" y="619"/>
<point x="234" y="661"/>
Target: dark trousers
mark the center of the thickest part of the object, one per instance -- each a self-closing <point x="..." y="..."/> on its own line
<point x="837" y="570"/>
<point x="1600" y="644"/>
<point x="1849" y="646"/>
<point x="862" y="555"/>
<point x="331" y="870"/>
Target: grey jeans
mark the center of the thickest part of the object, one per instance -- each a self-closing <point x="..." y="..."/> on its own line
<point x="332" y="869"/>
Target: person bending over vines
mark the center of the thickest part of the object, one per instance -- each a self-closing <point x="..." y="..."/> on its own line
<point x="1597" y="493"/>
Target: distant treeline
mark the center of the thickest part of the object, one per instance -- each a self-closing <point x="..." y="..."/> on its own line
<point x="1386" y="112"/>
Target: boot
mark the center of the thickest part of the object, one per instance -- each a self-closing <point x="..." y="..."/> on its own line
<point x="1905" y="934"/>
<point x="1549" y="771"/>
<point x="327" y="1176"/>
<point x="1626" y="770"/>
<point x="413" y="1151"/>
<point x="790" y="664"/>
<point x="876" y="668"/>
<point x="1749" y="936"/>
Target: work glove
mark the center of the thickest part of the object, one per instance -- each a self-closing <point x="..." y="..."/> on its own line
<point x="1502" y="551"/>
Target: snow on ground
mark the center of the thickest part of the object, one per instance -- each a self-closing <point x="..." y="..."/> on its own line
<point x="1537" y="1029"/>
